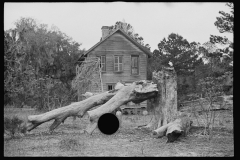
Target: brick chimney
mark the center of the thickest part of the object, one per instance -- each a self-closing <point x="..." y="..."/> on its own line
<point x="105" y="31"/>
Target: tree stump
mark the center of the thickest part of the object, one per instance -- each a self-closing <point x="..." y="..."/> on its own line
<point x="164" y="105"/>
<point x="166" y="120"/>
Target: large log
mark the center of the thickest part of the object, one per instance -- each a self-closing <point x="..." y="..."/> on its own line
<point x="74" y="109"/>
<point x="137" y="92"/>
<point x="174" y="129"/>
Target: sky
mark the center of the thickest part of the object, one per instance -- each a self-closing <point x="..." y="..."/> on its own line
<point x="153" y="21"/>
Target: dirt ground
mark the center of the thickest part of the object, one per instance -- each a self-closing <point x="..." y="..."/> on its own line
<point x="68" y="140"/>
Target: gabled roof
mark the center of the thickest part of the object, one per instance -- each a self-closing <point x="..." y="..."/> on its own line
<point x="146" y="51"/>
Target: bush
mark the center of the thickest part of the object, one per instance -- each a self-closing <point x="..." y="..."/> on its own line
<point x="212" y="88"/>
<point x="14" y="125"/>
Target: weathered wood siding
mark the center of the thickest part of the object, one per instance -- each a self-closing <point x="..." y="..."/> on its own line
<point x="117" y="44"/>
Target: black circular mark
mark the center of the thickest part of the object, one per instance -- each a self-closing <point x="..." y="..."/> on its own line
<point x="108" y="123"/>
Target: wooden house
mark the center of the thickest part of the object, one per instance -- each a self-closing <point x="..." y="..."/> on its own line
<point x="122" y="59"/>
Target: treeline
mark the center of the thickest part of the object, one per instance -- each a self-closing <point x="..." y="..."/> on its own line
<point x="192" y="62"/>
<point x="39" y="65"/>
<point x="198" y="64"/>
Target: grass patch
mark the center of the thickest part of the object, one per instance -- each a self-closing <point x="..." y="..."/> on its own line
<point x="127" y="142"/>
<point x="70" y="144"/>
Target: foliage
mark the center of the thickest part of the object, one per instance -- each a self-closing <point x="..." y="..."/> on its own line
<point x="53" y="94"/>
<point x="211" y="88"/>
<point x="177" y="52"/>
<point x="216" y="63"/>
<point x="13" y="125"/>
<point x="225" y="24"/>
<point x="184" y="87"/>
<point x="193" y="59"/>
<point x="88" y="77"/>
<point x="210" y="77"/>
<point x="37" y="61"/>
<point x="154" y="63"/>
<point x="130" y="31"/>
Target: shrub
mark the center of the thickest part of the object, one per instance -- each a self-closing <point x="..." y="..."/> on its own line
<point x="14" y="125"/>
<point x="211" y="87"/>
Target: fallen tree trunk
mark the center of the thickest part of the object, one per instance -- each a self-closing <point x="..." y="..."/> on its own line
<point x="175" y="129"/>
<point x="74" y="109"/>
<point x="137" y="92"/>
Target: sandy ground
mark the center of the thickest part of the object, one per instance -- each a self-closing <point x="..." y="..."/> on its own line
<point x="68" y="140"/>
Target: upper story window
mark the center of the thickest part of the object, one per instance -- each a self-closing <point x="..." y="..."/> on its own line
<point x="103" y="63"/>
<point x="135" y="65"/>
<point x="118" y="65"/>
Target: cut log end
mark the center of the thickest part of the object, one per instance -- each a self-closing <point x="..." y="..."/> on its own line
<point x="154" y="133"/>
<point x="175" y="129"/>
<point x="145" y="86"/>
<point x="174" y="136"/>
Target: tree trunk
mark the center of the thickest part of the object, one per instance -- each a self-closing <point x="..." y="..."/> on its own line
<point x="74" y="109"/>
<point x="164" y="105"/>
<point x="137" y="92"/>
<point x="174" y="129"/>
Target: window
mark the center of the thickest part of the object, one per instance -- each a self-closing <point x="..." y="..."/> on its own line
<point x="135" y="65"/>
<point x="118" y="65"/>
<point x="103" y="63"/>
<point x="110" y="87"/>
